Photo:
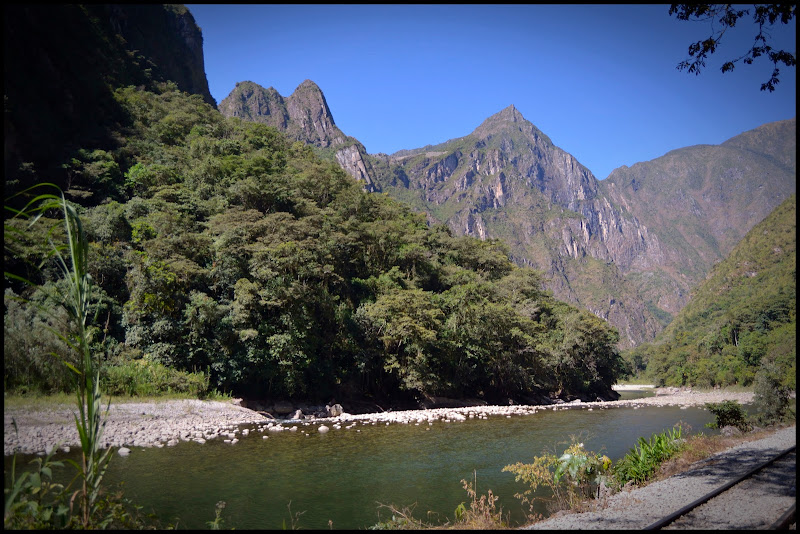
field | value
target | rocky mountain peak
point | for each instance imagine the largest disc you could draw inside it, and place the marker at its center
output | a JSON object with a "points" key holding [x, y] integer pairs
{"points": [[308, 85], [304, 116], [250, 101], [510, 122], [308, 108], [510, 114]]}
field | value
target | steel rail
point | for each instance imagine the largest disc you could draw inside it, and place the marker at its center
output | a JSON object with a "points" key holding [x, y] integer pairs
{"points": [[785, 520], [661, 523]]}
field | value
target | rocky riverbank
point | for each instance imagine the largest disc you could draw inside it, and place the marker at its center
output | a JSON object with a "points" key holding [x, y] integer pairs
{"points": [[165, 423]]}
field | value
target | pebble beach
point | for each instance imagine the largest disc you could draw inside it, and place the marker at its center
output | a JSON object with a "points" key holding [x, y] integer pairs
{"points": [[166, 423]]}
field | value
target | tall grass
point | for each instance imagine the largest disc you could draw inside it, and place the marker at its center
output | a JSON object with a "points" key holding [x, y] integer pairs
{"points": [[70, 254]]}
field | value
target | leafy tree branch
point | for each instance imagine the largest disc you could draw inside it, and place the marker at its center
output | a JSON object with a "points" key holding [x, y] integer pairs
{"points": [[721, 18]]}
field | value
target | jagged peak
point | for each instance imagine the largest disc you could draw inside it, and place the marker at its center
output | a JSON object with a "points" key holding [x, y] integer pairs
{"points": [[509, 116], [247, 88], [247, 84], [308, 84]]}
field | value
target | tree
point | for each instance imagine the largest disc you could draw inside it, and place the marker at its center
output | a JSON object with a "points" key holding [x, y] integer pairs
{"points": [[725, 16]]}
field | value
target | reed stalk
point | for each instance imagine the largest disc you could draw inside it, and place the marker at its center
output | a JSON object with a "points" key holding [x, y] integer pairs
{"points": [[71, 256]]}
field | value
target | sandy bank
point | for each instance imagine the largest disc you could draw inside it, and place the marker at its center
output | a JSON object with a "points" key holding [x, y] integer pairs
{"points": [[165, 423]]}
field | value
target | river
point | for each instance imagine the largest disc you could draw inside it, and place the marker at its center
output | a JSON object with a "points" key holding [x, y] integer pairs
{"points": [[340, 478]]}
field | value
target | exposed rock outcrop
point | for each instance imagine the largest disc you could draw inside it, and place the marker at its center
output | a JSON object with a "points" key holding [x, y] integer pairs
{"points": [[507, 180], [303, 116], [168, 36], [629, 248], [351, 159], [62, 63]]}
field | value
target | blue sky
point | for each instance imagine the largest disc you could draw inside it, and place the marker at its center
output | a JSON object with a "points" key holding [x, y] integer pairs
{"points": [[600, 81]]}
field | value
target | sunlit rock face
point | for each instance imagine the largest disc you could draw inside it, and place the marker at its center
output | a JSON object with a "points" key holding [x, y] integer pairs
{"points": [[629, 248], [303, 116]]}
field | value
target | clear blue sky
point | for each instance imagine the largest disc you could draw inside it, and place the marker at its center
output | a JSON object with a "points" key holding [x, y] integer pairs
{"points": [[600, 81]]}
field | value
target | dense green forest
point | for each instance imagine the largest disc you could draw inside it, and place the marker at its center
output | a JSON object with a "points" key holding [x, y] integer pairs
{"points": [[227, 257], [740, 321]]}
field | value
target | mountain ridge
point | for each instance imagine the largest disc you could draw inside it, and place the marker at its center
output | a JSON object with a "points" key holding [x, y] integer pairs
{"points": [[742, 315], [303, 116], [599, 245]]}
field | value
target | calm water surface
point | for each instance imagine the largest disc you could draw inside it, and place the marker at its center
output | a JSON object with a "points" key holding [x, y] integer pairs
{"points": [[343, 476]]}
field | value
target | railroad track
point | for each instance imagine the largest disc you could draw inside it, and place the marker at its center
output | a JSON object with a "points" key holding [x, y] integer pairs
{"points": [[744, 498]]}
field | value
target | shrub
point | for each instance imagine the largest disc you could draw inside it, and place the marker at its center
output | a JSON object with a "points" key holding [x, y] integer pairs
{"points": [[771, 399], [144, 377], [482, 512], [572, 477], [639, 464], [728, 413]]}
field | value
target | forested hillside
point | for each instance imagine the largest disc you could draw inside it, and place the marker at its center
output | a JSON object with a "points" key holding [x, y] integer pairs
{"points": [[629, 248], [742, 319], [222, 248]]}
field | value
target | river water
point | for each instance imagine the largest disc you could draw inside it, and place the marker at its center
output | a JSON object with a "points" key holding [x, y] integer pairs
{"points": [[342, 477]]}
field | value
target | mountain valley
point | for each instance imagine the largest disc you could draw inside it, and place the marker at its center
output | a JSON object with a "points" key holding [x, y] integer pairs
{"points": [[629, 248]]}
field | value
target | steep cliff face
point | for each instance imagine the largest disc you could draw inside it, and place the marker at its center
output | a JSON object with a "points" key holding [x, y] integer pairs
{"points": [[507, 180], [308, 111], [702, 200], [168, 37], [62, 64], [303, 116]]}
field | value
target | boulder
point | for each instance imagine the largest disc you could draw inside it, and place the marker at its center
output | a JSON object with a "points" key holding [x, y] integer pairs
{"points": [[729, 431], [334, 411]]}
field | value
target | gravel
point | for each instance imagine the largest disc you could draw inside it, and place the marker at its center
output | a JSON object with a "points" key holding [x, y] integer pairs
{"points": [[639, 508], [165, 423], [152, 424]]}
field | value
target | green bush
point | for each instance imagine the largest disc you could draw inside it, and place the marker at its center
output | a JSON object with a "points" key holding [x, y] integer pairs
{"points": [[728, 413], [771, 399], [144, 377], [570, 478]]}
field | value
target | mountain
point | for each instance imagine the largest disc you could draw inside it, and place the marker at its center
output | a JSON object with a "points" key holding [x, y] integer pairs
{"points": [[628, 248], [303, 116], [62, 64], [703, 200], [742, 315], [507, 180]]}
